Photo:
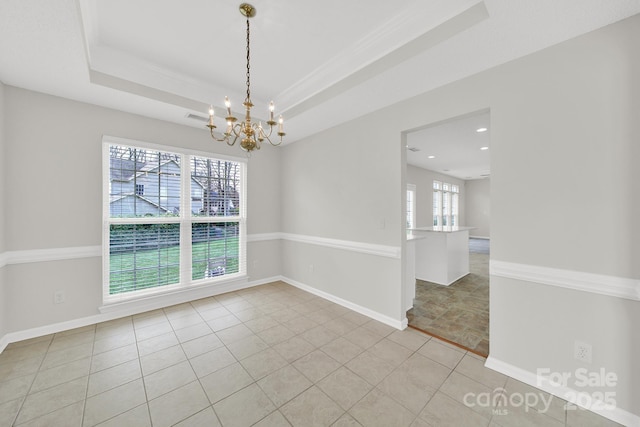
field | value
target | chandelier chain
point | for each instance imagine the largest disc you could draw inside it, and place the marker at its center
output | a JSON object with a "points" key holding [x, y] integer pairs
{"points": [[248, 69], [250, 133]]}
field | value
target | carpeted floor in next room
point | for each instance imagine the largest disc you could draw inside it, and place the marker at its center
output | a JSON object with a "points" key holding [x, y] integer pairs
{"points": [[459, 312]]}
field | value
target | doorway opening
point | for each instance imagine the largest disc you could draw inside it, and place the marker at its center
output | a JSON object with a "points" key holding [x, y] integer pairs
{"points": [[448, 175]]}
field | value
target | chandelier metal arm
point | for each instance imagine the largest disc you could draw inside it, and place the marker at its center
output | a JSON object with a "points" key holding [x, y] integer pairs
{"points": [[224, 139]]}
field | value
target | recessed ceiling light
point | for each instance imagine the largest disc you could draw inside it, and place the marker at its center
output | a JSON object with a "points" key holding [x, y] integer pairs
{"points": [[484, 148], [482, 130], [431, 157]]}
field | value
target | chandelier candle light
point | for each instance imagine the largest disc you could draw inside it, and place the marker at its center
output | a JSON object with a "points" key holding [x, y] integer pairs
{"points": [[252, 134]]}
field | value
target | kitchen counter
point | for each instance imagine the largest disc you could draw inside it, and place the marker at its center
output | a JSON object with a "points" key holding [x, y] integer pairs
{"points": [[441, 255]]}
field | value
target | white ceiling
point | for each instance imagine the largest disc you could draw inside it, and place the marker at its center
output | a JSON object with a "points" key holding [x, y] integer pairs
{"points": [[455, 145], [323, 63]]}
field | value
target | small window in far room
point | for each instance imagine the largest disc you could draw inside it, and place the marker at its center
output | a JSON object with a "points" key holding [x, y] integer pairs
{"points": [[445, 204], [411, 206], [437, 204]]}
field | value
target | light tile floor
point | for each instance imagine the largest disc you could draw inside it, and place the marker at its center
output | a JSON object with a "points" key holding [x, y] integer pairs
{"points": [[271, 355]]}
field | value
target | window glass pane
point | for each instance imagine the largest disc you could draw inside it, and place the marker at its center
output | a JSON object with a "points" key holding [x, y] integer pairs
{"points": [[436, 185], [143, 256], [446, 209], [143, 182], [454, 209], [437, 212], [410, 209], [215, 187], [214, 249], [455, 189]]}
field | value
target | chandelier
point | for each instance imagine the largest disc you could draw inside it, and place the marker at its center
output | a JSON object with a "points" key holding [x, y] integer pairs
{"points": [[252, 134]]}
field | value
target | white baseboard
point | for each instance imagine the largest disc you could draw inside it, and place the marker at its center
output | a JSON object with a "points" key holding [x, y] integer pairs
{"points": [[123, 310], [618, 415], [116, 311], [398, 324], [454, 280], [4, 342], [161, 300]]}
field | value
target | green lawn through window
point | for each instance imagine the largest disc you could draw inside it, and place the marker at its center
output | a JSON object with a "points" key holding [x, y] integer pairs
{"points": [[132, 271]]}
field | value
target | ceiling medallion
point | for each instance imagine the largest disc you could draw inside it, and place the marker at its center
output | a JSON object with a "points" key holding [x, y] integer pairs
{"points": [[252, 134]]}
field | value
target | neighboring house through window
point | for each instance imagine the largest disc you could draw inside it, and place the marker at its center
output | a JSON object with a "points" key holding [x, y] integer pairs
{"points": [[173, 218]]}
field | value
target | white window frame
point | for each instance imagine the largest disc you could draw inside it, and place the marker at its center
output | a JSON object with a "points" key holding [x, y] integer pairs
{"points": [[411, 206], [185, 219], [445, 212], [437, 204], [454, 214]]}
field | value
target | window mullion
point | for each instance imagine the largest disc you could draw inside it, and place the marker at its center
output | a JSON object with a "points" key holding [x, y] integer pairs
{"points": [[185, 222], [154, 194]]}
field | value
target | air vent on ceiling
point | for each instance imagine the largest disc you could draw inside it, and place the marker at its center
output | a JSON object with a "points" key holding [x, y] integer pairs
{"points": [[414, 149], [484, 175], [197, 117]]}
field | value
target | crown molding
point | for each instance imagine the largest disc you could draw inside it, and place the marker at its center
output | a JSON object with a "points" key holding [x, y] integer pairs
{"points": [[401, 38]]}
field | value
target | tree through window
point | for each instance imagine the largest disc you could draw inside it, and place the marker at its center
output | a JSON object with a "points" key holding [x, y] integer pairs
{"points": [[156, 198]]}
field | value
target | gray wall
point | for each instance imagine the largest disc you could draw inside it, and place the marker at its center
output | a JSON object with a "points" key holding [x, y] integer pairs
{"points": [[563, 151], [66, 146], [423, 180], [564, 194], [563, 131], [335, 185], [478, 207], [3, 307]]}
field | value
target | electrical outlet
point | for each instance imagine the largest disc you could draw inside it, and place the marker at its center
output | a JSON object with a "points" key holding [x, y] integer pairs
{"points": [[58, 297], [582, 351]]}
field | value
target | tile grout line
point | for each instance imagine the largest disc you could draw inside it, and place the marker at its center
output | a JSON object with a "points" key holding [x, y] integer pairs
{"points": [[86, 390], [380, 334], [144, 383], [37, 372], [194, 371]]}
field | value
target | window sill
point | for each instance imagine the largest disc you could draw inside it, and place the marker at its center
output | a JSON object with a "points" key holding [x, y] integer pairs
{"points": [[174, 296]]}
